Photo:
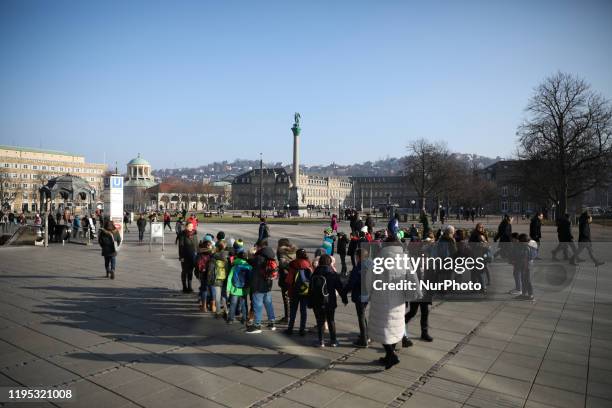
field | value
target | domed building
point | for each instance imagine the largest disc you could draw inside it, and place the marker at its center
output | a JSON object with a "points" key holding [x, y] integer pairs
{"points": [[137, 180]]}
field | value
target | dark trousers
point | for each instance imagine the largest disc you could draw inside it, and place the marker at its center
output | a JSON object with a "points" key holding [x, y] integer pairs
{"points": [[414, 306], [298, 302], [186, 274], [167, 224], [343, 263], [140, 235], [109, 263], [527, 288], [589, 248], [563, 247], [326, 315], [363, 321], [286, 302]]}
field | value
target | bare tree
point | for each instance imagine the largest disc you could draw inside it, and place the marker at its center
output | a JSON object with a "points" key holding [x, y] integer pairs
{"points": [[426, 167], [8, 192], [566, 140]]}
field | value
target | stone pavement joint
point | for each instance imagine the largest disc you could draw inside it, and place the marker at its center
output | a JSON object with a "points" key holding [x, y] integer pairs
{"points": [[414, 387]]}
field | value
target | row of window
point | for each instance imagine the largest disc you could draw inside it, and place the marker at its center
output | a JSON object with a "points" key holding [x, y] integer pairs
{"points": [[515, 190], [51, 168], [39, 176]]}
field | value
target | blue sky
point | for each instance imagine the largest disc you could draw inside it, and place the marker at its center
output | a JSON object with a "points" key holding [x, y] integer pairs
{"points": [[190, 82]]}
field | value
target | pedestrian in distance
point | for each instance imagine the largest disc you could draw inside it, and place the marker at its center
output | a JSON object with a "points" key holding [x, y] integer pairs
{"points": [[566, 240], [334, 223], [110, 241], [126, 221], [343, 243], [141, 224], [584, 238], [264, 231], [178, 228], [167, 221]]}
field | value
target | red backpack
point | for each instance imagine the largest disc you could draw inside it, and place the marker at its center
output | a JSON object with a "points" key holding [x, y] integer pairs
{"points": [[271, 269]]}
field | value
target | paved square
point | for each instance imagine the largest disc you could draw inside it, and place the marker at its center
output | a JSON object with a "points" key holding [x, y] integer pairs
{"points": [[138, 341]]}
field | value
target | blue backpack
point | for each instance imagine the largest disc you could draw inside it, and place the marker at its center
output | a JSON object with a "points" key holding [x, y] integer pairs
{"points": [[240, 276]]}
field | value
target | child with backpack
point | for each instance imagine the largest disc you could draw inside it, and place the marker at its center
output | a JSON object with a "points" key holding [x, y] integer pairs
{"points": [[328, 241], [203, 258], [324, 282], [217, 276], [297, 282], [265, 272], [237, 286], [527, 252]]}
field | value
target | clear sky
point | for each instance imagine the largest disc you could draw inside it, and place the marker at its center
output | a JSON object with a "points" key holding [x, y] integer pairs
{"points": [[190, 82]]}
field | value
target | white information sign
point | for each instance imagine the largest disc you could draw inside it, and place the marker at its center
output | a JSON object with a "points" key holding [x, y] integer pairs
{"points": [[157, 231]]}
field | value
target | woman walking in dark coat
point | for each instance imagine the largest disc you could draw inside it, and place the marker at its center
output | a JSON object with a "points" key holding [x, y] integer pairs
{"points": [[109, 240], [187, 246]]}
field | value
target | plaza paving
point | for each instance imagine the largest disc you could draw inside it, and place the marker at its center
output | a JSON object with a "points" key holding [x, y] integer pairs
{"points": [[138, 341]]}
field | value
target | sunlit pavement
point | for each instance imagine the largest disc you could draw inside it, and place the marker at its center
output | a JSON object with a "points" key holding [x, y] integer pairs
{"points": [[138, 341]]}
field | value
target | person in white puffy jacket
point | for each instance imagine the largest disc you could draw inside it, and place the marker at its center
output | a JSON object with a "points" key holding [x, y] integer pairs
{"points": [[387, 308]]}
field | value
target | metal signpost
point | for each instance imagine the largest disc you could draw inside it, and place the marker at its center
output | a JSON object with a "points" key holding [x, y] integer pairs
{"points": [[114, 201], [157, 231]]}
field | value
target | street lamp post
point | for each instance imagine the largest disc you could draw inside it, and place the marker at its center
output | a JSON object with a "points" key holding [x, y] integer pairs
{"points": [[413, 202]]}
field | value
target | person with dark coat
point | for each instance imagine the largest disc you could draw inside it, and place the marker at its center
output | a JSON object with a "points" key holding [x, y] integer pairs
{"points": [[584, 239], [369, 222], [260, 283], [324, 282], [566, 239], [141, 223], [51, 223], [352, 247], [285, 253], [354, 288], [504, 236], [264, 231], [343, 243], [109, 240], [535, 227], [187, 249]]}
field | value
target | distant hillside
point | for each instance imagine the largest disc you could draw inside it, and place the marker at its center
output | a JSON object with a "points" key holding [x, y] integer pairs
{"points": [[219, 171]]}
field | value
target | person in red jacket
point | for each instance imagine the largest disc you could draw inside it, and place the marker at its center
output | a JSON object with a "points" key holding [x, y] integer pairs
{"points": [[193, 220], [297, 282]]}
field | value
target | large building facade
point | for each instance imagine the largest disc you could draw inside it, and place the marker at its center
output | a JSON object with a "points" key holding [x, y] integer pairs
{"points": [[376, 192], [511, 198], [179, 195], [317, 191], [23, 171]]}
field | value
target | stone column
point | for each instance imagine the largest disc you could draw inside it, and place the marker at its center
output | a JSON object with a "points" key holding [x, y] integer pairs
{"points": [[296, 154]]}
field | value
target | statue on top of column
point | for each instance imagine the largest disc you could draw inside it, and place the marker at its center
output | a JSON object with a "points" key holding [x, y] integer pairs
{"points": [[296, 119]]}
